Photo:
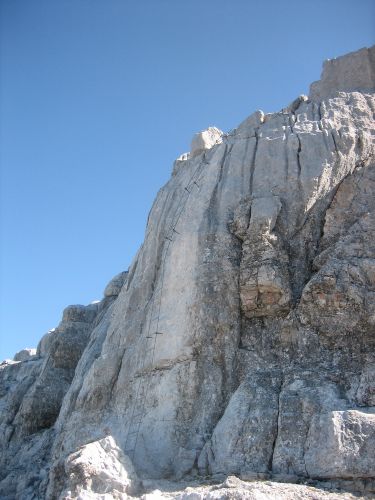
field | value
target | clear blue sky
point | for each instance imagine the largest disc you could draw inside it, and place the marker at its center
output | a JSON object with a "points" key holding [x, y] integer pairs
{"points": [[98, 97]]}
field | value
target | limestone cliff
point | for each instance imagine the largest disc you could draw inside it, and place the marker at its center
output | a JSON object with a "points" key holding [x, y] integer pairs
{"points": [[241, 340]]}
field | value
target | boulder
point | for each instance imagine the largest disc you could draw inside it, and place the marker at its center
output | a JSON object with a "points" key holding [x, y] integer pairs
{"points": [[24, 354], [99, 468], [342, 444], [204, 140], [115, 285]]}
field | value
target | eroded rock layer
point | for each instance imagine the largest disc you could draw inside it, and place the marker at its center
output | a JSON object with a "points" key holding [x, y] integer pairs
{"points": [[241, 340]]}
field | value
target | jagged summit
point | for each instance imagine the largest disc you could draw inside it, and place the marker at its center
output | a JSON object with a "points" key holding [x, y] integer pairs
{"points": [[241, 339]]}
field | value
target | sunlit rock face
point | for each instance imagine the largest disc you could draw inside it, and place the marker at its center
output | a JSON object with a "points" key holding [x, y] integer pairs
{"points": [[205, 140], [241, 339], [354, 71]]}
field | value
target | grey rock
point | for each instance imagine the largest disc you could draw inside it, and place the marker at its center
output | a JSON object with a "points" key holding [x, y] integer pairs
{"points": [[354, 71], [264, 276], [233, 488], [342, 444], [31, 396], [247, 428], [115, 285], [79, 313], [180, 162], [249, 126], [241, 340], [24, 354], [99, 468]]}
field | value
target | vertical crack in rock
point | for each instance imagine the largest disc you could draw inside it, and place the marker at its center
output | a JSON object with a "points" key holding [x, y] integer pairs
{"points": [[225, 159], [299, 149], [270, 463], [334, 141], [252, 165], [117, 373]]}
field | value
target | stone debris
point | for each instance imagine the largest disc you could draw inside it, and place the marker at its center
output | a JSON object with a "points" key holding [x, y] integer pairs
{"points": [[240, 342], [99, 468]]}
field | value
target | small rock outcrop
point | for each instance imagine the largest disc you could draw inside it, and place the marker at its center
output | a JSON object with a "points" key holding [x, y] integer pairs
{"points": [[24, 354], [241, 339], [114, 287], [205, 140]]}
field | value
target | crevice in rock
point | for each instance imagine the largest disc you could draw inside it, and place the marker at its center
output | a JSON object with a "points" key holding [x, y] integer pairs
{"points": [[11, 434], [331, 196], [315, 220], [319, 109], [334, 141], [252, 164], [131, 273], [305, 449], [116, 375], [161, 368], [270, 463], [226, 155], [299, 149]]}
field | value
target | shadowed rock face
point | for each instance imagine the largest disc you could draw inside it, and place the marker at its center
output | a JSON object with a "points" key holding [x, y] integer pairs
{"points": [[241, 340]]}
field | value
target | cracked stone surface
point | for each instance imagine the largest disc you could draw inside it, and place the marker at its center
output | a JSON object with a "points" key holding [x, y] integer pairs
{"points": [[240, 340]]}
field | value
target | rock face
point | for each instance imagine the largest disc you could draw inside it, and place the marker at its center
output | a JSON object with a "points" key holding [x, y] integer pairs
{"points": [[241, 340], [355, 71]]}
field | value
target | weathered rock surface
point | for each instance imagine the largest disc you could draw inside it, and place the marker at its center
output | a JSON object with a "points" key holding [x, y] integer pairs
{"points": [[232, 488], [355, 71], [115, 285], [24, 354], [98, 468], [205, 140], [241, 340]]}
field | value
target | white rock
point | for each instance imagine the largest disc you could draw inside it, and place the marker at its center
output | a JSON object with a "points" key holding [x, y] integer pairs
{"points": [[354, 71], [153, 495], [183, 157], [342, 443], [205, 139], [99, 468]]}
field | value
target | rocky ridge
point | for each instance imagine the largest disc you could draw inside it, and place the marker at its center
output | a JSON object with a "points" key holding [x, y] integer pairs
{"points": [[241, 339]]}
